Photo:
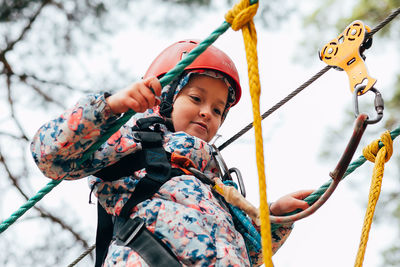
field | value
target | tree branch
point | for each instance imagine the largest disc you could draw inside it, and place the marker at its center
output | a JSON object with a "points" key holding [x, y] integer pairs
{"points": [[11, 45], [13, 136], [24, 77], [43, 213], [10, 100], [46, 96]]}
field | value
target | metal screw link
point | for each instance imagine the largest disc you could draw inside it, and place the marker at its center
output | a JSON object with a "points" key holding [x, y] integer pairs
{"points": [[379, 105]]}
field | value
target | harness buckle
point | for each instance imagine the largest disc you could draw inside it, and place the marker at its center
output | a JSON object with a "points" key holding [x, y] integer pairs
{"points": [[130, 229], [148, 138]]}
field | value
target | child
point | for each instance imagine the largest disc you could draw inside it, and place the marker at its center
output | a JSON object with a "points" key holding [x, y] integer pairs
{"points": [[184, 214]]}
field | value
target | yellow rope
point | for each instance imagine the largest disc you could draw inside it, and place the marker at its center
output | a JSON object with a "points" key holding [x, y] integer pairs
{"points": [[241, 17], [379, 156]]}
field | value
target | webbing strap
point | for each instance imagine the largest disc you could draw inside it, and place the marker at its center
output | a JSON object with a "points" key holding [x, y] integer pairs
{"points": [[123, 167], [158, 170], [145, 189], [104, 234], [156, 161], [134, 234]]}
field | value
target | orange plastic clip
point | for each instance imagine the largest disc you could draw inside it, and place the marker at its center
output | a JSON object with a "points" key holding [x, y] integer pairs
{"points": [[344, 52]]}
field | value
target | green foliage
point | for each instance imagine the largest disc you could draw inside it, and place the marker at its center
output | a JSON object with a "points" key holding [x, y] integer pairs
{"points": [[370, 11], [393, 105], [392, 257]]}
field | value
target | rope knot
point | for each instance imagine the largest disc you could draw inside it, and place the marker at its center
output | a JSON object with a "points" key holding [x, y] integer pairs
{"points": [[241, 14], [370, 152]]}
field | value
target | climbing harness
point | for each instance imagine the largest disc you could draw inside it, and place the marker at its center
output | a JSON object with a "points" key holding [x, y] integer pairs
{"points": [[127, 231], [157, 163]]}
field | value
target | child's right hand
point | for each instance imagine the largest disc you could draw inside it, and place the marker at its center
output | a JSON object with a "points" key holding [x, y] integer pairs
{"points": [[137, 96], [290, 202]]}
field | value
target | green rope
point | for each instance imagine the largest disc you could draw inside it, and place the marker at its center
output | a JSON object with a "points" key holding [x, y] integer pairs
{"points": [[29, 204], [352, 167], [166, 79]]}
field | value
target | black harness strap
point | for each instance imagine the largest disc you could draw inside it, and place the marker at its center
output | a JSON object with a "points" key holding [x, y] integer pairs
{"points": [[156, 162], [158, 170], [104, 234], [122, 168], [134, 234]]}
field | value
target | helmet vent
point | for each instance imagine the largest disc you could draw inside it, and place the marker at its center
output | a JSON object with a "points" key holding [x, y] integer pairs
{"points": [[184, 54]]}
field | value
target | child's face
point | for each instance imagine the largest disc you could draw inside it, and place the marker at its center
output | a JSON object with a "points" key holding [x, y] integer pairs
{"points": [[199, 106]]}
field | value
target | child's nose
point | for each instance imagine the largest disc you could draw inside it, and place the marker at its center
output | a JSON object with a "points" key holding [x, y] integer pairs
{"points": [[205, 112]]}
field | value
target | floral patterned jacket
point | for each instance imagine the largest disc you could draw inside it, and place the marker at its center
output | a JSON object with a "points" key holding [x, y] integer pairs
{"points": [[184, 213]]}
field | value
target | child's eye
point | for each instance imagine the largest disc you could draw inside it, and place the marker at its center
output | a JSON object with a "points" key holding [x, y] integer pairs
{"points": [[217, 111], [195, 98]]}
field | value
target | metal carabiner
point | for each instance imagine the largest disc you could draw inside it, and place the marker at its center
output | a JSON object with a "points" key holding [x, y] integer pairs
{"points": [[379, 105], [239, 179], [225, 172]]}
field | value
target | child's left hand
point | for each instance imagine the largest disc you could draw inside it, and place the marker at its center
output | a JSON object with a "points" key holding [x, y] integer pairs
{"points": [[138, 96], [290, 202]]}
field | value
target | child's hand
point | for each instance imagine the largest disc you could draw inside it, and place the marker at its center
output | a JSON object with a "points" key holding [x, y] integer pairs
{"points": [[290, 202], [137, 96]]}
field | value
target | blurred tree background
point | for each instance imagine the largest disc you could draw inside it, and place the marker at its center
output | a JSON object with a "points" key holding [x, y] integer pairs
{"points": [[372, 13], [43, 47]]}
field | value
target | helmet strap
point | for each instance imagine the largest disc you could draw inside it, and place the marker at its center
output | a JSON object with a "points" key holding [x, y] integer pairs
{"points": [[166, 105], [166, 109]]}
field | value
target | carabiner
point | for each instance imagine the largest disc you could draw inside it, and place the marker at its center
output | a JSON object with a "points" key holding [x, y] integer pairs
{"points": [[379, 105], [239, 179], [225, 172]]}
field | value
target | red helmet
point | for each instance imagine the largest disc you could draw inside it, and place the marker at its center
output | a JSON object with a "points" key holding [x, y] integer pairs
{"points": [[212, 58]]}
